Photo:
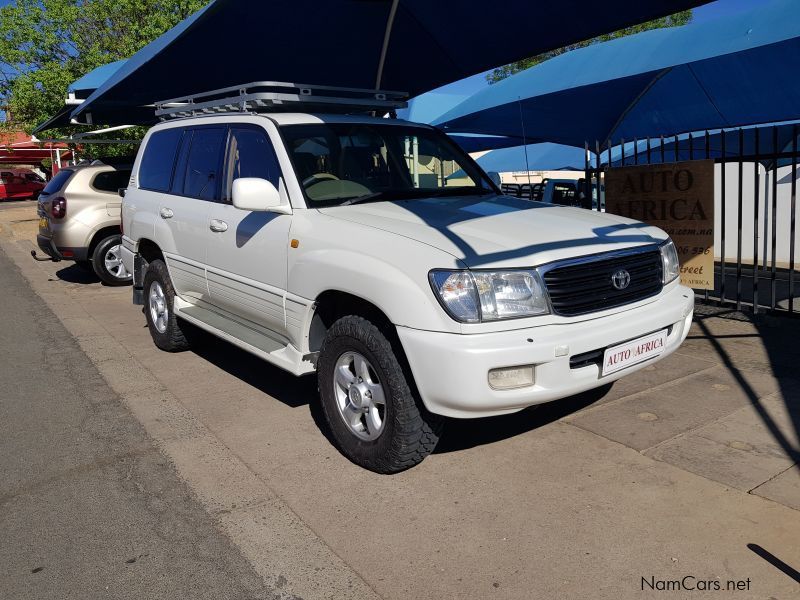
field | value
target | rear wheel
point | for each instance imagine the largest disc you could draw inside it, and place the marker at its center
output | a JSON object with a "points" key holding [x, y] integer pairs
{"points": [[107, 261], [371, 411], [159, 294]]}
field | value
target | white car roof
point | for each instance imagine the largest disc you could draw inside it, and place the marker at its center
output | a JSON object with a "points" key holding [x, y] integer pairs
{"points": [[308, 118], [285, 118]]}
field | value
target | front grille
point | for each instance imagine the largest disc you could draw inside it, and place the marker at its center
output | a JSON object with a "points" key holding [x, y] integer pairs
{"points": [[586, 287]]}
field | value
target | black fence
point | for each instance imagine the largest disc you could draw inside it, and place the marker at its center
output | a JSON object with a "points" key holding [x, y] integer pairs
{"points": [[756, 211], [561, 191]]}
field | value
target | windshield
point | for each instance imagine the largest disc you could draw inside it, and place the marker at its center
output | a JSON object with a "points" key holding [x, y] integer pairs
{"points": [[346, 163]]}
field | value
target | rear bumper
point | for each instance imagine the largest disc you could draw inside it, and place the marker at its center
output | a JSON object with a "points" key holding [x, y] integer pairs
{"points": [[47, 246], [451, 370]]}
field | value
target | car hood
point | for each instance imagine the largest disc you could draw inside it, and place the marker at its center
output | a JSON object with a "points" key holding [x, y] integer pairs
{"points": [[500, 231]]}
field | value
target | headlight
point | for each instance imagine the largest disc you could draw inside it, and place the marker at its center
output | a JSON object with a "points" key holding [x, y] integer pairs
{"points": [[669, 258], [480, 296]]}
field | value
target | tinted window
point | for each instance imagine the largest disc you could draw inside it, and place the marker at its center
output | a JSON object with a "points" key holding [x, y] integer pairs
{"points": [[180, 164], [250, 154], [338, 162], [563, 194], [155, 170], [202, 168], [111, 181], [57, 182]]}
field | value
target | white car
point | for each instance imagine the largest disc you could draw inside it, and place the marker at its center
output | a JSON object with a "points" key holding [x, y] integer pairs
{"points": [[333, 244]]}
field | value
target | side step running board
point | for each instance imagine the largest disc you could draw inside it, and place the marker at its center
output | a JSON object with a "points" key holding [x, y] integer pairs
{"points": [[277, 352]]}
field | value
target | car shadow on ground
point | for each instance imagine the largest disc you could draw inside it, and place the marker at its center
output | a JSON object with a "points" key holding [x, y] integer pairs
{"points": [[271, 380], [462, 434], [72, 273], [295, 392]]}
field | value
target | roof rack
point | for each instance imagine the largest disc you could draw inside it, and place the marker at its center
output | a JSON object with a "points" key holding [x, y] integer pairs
{"points": [[280, 96]]}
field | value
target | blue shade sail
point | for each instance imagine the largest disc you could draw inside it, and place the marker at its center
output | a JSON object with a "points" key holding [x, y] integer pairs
{"points": [[733, 71], [405, 45]]}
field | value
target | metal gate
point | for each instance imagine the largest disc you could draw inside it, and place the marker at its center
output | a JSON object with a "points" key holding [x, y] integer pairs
{"points": [[757, 243]]}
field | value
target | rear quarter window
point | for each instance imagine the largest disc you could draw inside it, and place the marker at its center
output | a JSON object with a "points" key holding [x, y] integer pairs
{"points": [[155, 169], [111, 181], [58, 182]]}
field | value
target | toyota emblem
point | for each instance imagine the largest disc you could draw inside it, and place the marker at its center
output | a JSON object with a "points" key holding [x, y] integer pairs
{"points": [[621, 279]]}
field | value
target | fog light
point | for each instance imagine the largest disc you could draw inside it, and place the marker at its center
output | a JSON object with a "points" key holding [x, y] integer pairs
{"points": [[511, 377]]}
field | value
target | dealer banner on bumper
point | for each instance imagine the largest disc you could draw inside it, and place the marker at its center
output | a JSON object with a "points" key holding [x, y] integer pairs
{"points": [[678, 198]]}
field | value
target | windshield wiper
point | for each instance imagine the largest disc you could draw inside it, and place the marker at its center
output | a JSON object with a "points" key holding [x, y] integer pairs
{"points": [[462, 191], [364, 198], [416, 193]]}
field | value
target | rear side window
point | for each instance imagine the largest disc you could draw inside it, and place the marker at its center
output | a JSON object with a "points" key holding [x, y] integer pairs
{"points": [[111, 181], [155, 170], [250, 154], [203, 164], [57, 182]]}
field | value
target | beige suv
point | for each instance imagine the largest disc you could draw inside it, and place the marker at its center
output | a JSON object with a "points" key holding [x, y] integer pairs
{"points": [[79, 219]]}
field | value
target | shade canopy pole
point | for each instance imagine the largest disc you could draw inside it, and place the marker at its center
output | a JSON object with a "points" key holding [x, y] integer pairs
{"points": [[386, 37], [525, 143]]}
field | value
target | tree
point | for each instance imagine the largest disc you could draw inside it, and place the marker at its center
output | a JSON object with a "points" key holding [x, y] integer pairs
{"points": [[47, 44], [680, 18]]}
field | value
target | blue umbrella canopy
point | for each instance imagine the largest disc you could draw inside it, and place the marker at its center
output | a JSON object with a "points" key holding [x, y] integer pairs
{"points": [[475, 142], [77, 92], [87, 84], [714, 74], [407, 45], [540, 157]]}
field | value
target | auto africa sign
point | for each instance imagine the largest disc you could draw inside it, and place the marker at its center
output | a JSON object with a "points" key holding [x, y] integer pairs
{"points": [[678, 198]]}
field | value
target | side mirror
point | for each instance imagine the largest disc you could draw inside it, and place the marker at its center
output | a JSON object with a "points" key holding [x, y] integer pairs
{"points": [[255, 194]]}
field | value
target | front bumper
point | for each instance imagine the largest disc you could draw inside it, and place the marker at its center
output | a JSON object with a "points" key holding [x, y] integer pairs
{"points": [[451, 370]]}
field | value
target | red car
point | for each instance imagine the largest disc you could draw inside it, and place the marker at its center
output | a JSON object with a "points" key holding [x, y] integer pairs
{"points": [[20, 183]]}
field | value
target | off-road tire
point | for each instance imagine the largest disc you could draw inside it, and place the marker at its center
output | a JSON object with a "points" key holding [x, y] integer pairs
{"points": [[173, 339], [98, 261], [410, 432]]}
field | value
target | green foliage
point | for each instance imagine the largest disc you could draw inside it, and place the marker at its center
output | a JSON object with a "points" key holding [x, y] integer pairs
{"points": [[680, 18], [47, 44]]}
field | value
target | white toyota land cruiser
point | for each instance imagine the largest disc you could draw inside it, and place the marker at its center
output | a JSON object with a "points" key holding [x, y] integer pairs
{"points": [[335, 244]]}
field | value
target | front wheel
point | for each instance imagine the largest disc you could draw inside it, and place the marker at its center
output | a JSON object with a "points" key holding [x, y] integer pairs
{"points": [[107, 262], [159, 309], [371, 411]]}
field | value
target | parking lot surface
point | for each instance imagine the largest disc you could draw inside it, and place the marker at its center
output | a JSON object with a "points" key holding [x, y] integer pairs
{"points": [[89, 507], [687, 468]]}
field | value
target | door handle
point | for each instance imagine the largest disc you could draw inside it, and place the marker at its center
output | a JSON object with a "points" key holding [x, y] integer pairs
{"points": [[166, 213], [218, 226]]}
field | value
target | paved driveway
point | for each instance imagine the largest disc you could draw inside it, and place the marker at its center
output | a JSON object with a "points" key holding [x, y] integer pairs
{"points": [[688, 468]]}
